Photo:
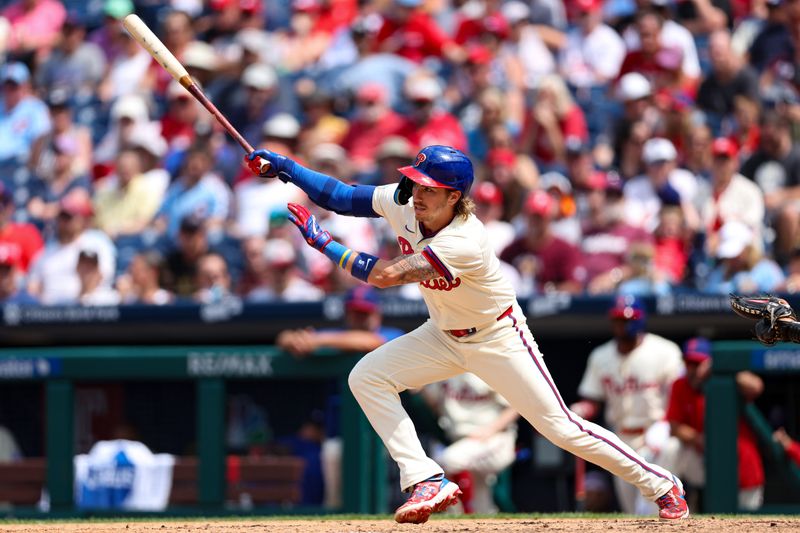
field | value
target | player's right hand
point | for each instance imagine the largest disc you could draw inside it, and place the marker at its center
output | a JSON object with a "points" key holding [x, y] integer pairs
{"points": [[265, 164]]}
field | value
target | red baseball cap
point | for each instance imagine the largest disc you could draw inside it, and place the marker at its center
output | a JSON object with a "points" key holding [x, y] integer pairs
{"points": [[372, 92], [588, 5], [496, 24], [539, 203], [488, 192], [722, 146], [248, 6], [479, 55], [598, 181], [76, 205], [501, 157]]}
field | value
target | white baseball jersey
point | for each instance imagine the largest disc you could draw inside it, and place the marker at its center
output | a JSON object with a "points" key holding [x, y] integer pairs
{"points": [[468, 404], [635, 386], [471, 292]]}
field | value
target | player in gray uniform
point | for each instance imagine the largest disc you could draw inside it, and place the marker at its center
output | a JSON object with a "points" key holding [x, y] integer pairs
{"points": [[476, 324]]}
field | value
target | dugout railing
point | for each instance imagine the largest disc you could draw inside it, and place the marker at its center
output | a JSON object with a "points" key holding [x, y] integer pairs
{"points": [[723, 409], [210, 368]]}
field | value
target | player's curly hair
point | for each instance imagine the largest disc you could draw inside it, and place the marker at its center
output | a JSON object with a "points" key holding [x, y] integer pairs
{"points": [[464, 207]]}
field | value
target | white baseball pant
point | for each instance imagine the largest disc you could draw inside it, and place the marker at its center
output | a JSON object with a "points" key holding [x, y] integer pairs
{"points": [[505, 356], [629, 498]]}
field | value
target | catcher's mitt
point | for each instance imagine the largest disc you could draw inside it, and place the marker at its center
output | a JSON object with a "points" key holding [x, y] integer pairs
{"points": [[776, 320]]}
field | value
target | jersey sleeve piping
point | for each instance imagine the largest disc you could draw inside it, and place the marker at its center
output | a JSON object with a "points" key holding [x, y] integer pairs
{"points": [[437, 263]]}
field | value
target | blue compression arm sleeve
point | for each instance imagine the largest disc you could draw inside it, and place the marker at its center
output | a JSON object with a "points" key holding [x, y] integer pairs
{"points": [[330, 193]]}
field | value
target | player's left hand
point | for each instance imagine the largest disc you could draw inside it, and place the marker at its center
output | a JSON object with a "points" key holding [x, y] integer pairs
{"points": [[307, 224]]}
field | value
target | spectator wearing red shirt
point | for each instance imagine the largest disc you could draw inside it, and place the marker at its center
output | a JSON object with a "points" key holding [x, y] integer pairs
{"points": [[514, 174], [178, 122], [333, 15], [427, 124], [554, 118], [374, 121], [486, 22], [606, 236], [789, 445], [11, 290], [553, 262], [410, 32], [686, 415], [672, 244], [21, 242], [661, 64]]}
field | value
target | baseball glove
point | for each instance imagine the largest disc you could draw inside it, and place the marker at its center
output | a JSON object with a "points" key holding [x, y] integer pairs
{"points": [[775, 318]]}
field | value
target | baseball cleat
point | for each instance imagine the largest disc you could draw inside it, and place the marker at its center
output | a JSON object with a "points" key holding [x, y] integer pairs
{"points": [[428, 497], [672, 505]]}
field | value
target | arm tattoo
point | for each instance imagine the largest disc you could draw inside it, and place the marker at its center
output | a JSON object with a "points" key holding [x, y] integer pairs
{"points": [[411, 268]]}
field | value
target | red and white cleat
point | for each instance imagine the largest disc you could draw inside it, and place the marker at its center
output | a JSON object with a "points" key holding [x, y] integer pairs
{"points": [[672, 505], [428, 497]]}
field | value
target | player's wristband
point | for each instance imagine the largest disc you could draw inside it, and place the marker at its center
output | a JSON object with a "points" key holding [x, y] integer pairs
{"points": [[336, 252], [339, 254], [363, 265]]}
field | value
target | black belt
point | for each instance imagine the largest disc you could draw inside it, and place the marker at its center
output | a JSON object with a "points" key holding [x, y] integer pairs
{"points": [[458, 333]]}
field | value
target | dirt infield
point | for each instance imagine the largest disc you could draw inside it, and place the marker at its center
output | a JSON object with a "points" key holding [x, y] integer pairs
{"points": [[693, 525]]}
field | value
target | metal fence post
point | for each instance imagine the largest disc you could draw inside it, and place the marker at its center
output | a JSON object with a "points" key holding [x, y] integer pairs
{"points": [[211, 442], [60, 443], [357, 459], [722, 412]]}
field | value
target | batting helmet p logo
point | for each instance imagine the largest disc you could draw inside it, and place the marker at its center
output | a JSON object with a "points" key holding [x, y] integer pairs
{"points": [[441, 166]]}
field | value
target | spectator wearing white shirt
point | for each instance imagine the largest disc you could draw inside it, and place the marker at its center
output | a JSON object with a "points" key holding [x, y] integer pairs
{"points": [[255, 199], [593, 52], [733, 197], [489, 210], [126, 112], [285, 281], [93, 291], [532, 45], [590, 59], [661, 184], [53, 277], [127, 73]]}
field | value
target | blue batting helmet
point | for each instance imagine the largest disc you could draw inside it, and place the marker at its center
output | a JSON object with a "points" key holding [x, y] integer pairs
{"points": [[441, 166], [630, 309]]}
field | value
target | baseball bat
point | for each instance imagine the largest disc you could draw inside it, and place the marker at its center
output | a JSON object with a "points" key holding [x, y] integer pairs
{"points": [[148, 40]]}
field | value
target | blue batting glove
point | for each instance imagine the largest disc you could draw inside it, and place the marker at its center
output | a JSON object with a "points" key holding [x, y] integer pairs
{"points": [[315, 236], [266, 164]]}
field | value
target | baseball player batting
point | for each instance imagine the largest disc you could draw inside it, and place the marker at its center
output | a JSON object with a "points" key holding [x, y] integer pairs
{"points": [[475, 324]]}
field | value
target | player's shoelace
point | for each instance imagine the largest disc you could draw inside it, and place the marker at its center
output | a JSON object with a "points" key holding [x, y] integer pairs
{"points": [[668, 501], [425, 491]]}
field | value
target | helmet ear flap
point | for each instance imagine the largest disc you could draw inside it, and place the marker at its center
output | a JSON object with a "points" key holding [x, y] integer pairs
{"points": [[404, 190]]}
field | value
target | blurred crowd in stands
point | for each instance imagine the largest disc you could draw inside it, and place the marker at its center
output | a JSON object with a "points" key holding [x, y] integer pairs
{"points": [[621, 146]]}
